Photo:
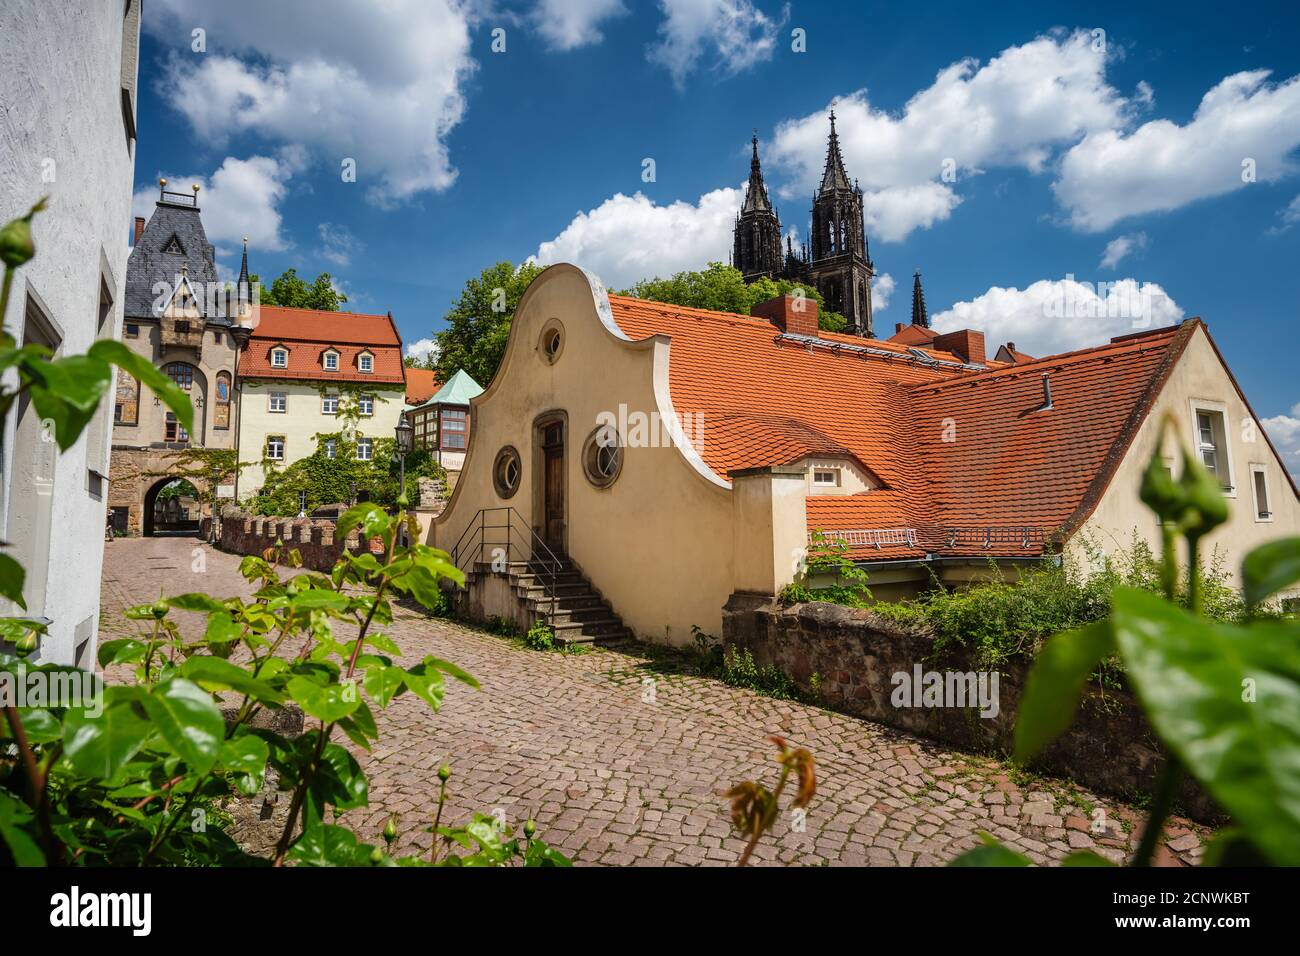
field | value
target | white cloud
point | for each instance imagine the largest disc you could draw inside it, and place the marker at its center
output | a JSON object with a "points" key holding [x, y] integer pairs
{"points": [[1013, 111], [239, 199], [338, 244], [1284, 432], [1059, 315], [734, 34], [378, 83], [629, 238], [1112, 175], [422, 349], [882, 287], [569, 24], [1289, 216], [1122, 246]]}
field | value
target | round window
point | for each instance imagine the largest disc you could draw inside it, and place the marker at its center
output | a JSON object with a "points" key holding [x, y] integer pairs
{"points": [[552, 342], [506, 472], [602, 456]]}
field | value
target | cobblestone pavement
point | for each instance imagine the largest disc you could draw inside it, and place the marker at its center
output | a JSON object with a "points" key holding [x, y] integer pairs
{"points": [[613, 778]]}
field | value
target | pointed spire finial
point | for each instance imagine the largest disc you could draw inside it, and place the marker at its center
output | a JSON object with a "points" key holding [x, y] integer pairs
{"points": [[919, 315]]}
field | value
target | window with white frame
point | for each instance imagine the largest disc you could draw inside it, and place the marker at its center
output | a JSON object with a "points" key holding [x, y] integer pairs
{"points": [[366, 362], [1259, 484], [275, 447], [331, 361], [279, 358], [329, 404], [1211, 437], [278, 401], [365, 449], [366, 405], [331, 448], [826, 477]]}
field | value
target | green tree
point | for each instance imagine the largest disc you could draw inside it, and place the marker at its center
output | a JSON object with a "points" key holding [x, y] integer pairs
{"points": [[292, 291], [478, 323], [723, 289]]}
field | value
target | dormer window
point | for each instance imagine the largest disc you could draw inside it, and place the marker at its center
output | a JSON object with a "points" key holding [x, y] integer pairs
{"points": [[330, 361], [366, 362], [826, 477], [279, 358]]}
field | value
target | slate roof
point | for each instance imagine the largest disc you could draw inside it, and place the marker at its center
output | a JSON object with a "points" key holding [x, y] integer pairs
{"points": [[966, 462], [149, 265]]}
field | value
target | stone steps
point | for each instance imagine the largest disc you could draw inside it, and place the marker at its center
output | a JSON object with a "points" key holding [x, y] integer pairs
{"points": [[561, 596]]}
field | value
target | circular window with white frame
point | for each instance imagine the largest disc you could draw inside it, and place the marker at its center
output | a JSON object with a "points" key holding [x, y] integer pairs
{"points": [[602, 456], [551, 342], [506, 472]]}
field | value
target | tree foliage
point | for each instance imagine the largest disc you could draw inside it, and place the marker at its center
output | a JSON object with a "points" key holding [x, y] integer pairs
{"points": [[478, 323], [722, 288], [292, 291]]}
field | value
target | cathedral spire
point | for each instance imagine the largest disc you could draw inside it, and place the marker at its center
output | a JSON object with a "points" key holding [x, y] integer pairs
{"points": [[756, 192], [919, 315], [834, 177], [242, 287]]}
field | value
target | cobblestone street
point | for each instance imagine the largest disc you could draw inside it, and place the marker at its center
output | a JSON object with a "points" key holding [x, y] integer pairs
{"points": [[612, 778]]}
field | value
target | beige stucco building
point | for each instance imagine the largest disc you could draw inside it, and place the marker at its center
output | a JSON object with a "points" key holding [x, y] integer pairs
{"points": [[679, 456], [307, 375]]}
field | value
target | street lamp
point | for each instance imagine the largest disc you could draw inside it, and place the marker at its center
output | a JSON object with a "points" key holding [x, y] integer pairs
{"points": [[404, 433], [239, 336]]}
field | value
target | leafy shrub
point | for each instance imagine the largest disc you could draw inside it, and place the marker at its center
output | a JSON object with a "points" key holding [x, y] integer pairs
{"points": [[829, 556], [540, 637]]}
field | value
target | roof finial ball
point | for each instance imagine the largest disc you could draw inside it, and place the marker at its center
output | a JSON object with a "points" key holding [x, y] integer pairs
{"points": [[195, 187]]}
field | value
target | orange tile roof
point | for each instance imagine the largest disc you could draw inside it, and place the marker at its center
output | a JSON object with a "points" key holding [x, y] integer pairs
{"points": [[1008, 481], [309, 333], [421, 385]]}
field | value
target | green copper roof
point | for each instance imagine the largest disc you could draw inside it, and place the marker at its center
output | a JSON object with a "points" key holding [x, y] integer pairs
{"points": [[458, 390]]}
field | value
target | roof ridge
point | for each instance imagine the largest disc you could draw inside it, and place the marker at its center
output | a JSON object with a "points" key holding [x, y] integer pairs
{"points": [[340, 312], [1077, 356]]}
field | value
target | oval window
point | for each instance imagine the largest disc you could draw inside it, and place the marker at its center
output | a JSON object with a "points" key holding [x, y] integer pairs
{"points": [[602, 456], [552, 342], [506, 472]]}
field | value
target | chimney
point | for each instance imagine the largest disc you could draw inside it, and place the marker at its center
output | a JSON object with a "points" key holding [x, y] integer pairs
{"points": [[139, 230], [1047, 395], [968, 344], [796, 315]]}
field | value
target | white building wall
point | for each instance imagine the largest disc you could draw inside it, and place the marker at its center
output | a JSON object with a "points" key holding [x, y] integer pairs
{"points": [[62, 134]]}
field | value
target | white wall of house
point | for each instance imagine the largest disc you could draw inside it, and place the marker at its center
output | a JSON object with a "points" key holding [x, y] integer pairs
{"points": [[1199, 381], [304, 417], [63, 67]]}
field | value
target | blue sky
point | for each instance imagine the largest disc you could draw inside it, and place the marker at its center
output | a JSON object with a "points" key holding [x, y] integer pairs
{"points": [[1106, 156]]}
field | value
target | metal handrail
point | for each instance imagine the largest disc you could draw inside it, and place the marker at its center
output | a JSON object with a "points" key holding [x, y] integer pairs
{"points": [[537, 551]]}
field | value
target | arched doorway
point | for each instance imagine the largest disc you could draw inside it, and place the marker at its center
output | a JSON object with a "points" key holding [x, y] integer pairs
{"points": [[171, 507]]}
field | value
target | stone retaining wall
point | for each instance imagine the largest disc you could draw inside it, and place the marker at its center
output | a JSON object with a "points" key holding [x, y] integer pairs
{"points": [[243, 533], [855, 655]]}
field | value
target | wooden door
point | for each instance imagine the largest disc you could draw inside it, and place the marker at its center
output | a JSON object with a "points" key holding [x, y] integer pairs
{"points": [[553, 486]]}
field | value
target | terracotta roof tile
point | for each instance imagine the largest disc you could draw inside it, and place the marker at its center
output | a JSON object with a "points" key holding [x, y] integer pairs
{"points": [[421, 384], [308, 334], [964, 459]]}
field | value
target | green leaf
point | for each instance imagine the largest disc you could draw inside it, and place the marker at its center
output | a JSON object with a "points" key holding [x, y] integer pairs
{"points": [[66, 393], [12, 576], [992, 853], [1085, 858], [368, 516], [426, 683], [195, 602], [318, 598], [328, 845], [122, 650], [188, 719], [40, 726], [246, 754], [148, 374], [451, 670], [1269, 568], [340, 781], [540, 854], [99, 746], [1226, 700], [329, 702], [1055, 684], [16, 820], [214, 673], [383, 682]]}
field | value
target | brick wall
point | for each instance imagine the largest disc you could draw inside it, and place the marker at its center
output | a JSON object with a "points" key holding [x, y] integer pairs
{"points": [[243, 533], [855, 655]]}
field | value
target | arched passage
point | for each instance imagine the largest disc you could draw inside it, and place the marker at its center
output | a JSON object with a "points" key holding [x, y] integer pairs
{"points": [[172, 507]]}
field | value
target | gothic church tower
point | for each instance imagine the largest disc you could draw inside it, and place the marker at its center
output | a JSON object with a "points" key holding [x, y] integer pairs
{"points": [[841, 265], [757, 235]]}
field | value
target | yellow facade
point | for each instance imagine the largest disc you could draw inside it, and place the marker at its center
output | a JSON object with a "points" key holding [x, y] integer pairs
{"points": [[297, 412]]}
